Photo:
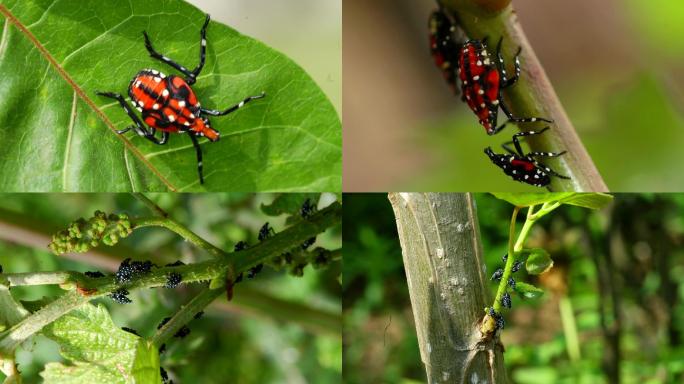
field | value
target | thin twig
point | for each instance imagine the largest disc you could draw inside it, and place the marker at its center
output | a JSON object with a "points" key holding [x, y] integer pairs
{"points": [[150, 204]]}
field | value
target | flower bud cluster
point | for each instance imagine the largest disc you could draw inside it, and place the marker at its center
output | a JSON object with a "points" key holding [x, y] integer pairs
{"points": [[83, 235]]}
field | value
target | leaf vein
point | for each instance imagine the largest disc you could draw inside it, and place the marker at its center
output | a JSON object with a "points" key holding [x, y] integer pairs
{"points": [[70, 134]]}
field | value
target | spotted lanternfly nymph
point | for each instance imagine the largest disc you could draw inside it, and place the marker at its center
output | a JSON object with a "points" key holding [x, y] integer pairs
{"points": [[173, 279], [307, 209], [516, 266], [522, 166], [308, 242], [498, 318], [130, 269], [253, 271], [182, 332], [168, 104], [444, 46], [483, 79], [506, 300], [120, 296], [240, 246], [265, 232], [497, 274], [511, 282]]}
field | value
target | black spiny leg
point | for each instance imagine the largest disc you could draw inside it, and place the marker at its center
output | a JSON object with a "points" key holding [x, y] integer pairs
{"points": [[203, 48], [199, 156], [513, 119], [139, 128], [191, 76], [506, 82], [516, 141], [233, 108]]}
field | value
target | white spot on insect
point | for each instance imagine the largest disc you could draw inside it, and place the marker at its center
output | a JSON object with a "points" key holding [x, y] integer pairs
{"points": [[527, 177], [241, 104], [465, 82], [157, 80], [155, 72], [165, 93], [192, 116], [536, 176], [480, 92], [183, 69], [482, 105], [486, 62], [198, 104], [187, 124], [468, 97], [204, 42], [514, 172], [141, 103], [479, 63], [137, 84], [533, 119], [139, 109], [155, 106], [181, 103], [495, 102], [172, 118], [476, 78]]}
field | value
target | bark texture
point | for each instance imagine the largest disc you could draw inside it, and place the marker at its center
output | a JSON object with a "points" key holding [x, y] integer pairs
{"points": [[444, 266]]}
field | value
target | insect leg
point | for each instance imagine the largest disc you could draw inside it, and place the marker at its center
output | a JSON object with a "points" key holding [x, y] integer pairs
{"points": [[233, 108], [148, 44], [514, 119], [203, 47], [199, 156], [139, 128]]}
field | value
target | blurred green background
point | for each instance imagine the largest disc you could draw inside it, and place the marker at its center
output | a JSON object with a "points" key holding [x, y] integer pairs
{"points": [[637, 241], [307, 31], [277, 329], [617, 67]]}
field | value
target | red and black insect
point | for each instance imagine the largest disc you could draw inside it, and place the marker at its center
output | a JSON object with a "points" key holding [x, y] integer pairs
{"points": [[522, 166], [444, 46], [483, 79], [168, 104]]}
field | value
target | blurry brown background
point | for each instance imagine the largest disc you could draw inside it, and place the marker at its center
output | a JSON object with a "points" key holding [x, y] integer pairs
{"points": [[617, 67]]}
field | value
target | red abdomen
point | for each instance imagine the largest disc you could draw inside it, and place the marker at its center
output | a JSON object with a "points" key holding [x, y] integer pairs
{"points": [[167, 103]]}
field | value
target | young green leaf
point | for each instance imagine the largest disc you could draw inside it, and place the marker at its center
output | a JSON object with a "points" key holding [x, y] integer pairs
{"points": [[587, 200], [528, 291], [100, 352], [146, 363], [538, 261], [61, 136], [528, 199]]}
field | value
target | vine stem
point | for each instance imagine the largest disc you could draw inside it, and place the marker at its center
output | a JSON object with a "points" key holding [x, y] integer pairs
{"points": [[509, 262], [181, 230], [533, 94]]}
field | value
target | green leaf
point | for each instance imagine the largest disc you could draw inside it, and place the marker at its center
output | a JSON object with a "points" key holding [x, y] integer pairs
{"points": [[528, 291], [58, 135], [580, 199], [99, 350], [538, 261], [588, 200], [528, 199], [146, 364], [289, 203]]}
